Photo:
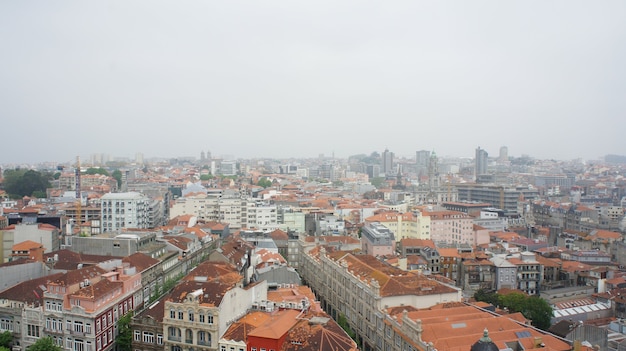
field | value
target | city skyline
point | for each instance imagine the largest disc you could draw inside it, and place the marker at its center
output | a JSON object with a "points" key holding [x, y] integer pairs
{"points": [[290, 80]]}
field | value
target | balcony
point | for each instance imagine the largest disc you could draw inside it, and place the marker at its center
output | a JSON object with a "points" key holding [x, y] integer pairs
{"points": [[174, 338], [77, 333]]}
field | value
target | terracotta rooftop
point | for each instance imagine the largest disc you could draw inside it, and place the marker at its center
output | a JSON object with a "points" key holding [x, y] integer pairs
{"points": [[140, 261], [212, 292], [30, 291], [417, 243], [69, 260], [277, 325], [393, 281], [460, 326], [79, 275], [26, 245], [99, 289]]}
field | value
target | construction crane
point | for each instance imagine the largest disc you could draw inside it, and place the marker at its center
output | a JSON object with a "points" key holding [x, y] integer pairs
{"points": [[79, 199]]}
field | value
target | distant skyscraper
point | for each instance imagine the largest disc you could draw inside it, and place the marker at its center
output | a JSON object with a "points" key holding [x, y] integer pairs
{"points": [[504, 154], [387, 158], [139, 158], [480, 162], [422, 158]]}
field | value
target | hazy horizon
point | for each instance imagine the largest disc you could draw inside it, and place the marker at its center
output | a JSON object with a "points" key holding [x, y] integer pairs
{"points": [[291, 79]]}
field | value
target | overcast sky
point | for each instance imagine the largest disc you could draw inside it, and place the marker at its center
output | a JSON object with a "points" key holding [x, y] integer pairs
{"points": [[299, 78]]}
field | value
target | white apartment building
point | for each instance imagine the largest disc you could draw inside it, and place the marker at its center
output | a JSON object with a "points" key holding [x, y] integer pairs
{"points": [[229, 208], [261, 216], [124, 210]]}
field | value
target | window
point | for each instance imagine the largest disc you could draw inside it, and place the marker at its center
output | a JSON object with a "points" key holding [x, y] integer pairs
{"points": [[201, 318], [204, 338], [172, 313], [88, 328], [78, 327], [180, 314], [98, 344], [97, 325], [190, 315], [79, 345], [137, 334], [209, 319], [159, 339], [6, 324], [33, 330], [148, 337]]}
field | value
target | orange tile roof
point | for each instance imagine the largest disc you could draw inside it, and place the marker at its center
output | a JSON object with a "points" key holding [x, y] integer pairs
{"points": [[459, 327], [393, 281], [26, 245], [410, 242], [277, 325]]}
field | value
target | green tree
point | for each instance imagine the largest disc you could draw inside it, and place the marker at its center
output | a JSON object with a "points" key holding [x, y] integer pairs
{"points": [[532, 307], [117, 174], [343, 323], [377, 181], [6, 338], [125, 337], [44, 344], [93, 170], [264, 182], [56, 176], [514, 301], [2, 348], [19, 182], [538, 311], [206, 177], [486, 296]]}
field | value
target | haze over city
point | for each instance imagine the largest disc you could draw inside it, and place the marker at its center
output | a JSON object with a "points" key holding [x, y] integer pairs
{"points": [[296, 79]]}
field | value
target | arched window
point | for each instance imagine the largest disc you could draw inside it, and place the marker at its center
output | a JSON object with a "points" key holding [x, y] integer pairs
{"points": [[204, 338], [191, 316], [173, 334], [189, 336]]}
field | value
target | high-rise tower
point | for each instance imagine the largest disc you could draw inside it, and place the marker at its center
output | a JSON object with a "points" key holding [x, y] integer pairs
{"points": [[480, 162], [387, 158]]}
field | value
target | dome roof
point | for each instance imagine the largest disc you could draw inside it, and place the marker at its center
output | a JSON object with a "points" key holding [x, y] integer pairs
{"points": [[484, 343]]}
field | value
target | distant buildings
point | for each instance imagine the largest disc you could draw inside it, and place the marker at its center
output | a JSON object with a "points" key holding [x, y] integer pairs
{"points": [[480, 162], [387, 162]]}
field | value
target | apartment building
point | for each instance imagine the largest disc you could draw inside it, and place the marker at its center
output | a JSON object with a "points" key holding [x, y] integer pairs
{"points": [[500, 196], [404, 225], [377, 240], [450, 227], [529, 272], [78, 310], [362, 289], [199, 310], [124, 210]]}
